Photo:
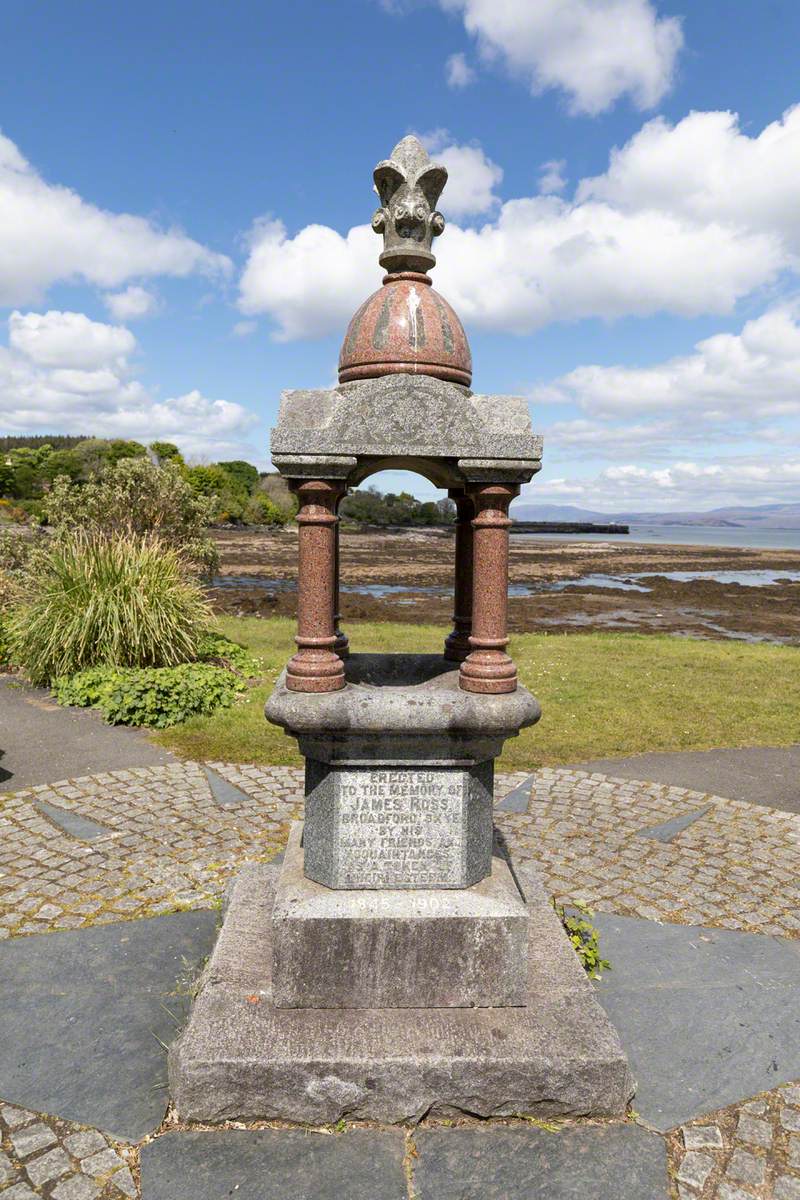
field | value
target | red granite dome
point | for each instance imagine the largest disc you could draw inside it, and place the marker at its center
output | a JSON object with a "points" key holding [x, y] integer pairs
{"points": [[406, 326]]}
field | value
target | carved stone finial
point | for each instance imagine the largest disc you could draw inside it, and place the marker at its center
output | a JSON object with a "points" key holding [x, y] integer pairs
{"points": [[409, 186]]}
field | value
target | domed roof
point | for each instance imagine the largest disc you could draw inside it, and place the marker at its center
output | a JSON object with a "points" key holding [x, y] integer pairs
{"points": [[406, 326]]}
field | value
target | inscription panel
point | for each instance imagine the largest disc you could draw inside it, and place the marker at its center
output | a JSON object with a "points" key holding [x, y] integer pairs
{"points": [[401, 828]]}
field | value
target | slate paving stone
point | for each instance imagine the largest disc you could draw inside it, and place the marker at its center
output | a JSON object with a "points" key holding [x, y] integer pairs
{"points": [[706, 1016], [670, 829], [518, 799], [591, 1162], [268, 1164], [224, 792], [72, 823], [81, 1013]]}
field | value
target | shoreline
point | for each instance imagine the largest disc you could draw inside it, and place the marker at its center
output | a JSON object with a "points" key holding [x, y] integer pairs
{"points": [[417, 566]]}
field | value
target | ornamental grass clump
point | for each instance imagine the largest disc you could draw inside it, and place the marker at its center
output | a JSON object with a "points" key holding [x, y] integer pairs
{"points": [[91, 600]]}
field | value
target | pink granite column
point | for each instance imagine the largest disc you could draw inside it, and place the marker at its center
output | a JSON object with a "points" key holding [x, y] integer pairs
{"points": [[456, 646], [488, 668], [316, 667], [341, 645]]}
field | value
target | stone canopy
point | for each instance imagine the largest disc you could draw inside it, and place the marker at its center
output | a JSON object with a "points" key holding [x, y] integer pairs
{"points": [[441, 430]]}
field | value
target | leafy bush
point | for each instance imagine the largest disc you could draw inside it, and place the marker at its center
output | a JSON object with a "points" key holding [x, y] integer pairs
{"points": [[584, 937], [135, 496], [214, 648], [156, 697], [261, 510], [88, 600], [5, 644]]}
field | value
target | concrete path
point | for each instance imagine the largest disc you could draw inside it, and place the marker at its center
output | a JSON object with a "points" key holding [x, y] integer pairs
{"points": [[41, 741], [768, 775]]}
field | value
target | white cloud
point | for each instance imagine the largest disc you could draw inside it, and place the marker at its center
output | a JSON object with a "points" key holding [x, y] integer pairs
{"points": [[69, 339], [596, 51], [458, 72], [471, 176], [705, 169], [685, 485], [48, 233], [551, 178], [661, 238], [751, 377], [133, 303], [310, 283], [62, 372]]}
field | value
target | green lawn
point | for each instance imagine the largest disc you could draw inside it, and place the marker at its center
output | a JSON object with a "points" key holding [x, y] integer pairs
{"points": [[601, 694]]}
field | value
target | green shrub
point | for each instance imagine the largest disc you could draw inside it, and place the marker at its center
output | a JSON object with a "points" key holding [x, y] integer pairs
{"points": [[5, 644], [155, 697], [261, 510], [584, 936], [214, 648], [135, 496], [88, 600]]}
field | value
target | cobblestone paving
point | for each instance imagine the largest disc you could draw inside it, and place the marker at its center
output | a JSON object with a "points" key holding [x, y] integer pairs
{"points": [[737, 867], [42, 1156], [749, 1151], [170, 845]]}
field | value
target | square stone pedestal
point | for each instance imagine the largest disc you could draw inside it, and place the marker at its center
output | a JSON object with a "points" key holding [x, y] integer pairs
{"points": [[243, 1057], [334, 948]]}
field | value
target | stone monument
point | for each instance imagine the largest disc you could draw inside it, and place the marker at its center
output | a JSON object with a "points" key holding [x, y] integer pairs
{"points": [[398, 962]]}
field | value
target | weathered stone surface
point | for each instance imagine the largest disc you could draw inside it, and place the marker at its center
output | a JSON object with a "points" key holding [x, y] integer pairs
{"points": [[405, 416], [271, 1164], [581, 1163], [386, 826], [399, 772], [240, 1056], [390, 949]]}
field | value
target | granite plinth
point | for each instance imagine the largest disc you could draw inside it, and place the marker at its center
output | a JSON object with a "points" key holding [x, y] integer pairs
{"points": [[240, 1057], [397, 949], [406, 416], [399, 769]]}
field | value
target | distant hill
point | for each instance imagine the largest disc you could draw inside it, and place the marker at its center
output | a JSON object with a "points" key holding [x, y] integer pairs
{"points": [[761, 516]]}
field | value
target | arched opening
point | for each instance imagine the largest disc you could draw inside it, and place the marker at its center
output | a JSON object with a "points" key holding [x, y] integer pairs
{"points": [[396, 550]]}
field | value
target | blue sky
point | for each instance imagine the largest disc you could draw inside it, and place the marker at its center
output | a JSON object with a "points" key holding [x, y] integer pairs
{"points": [[184, 190]]}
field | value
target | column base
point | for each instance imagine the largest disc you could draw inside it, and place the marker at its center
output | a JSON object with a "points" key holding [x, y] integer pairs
{"points": [[457, 647], [315, 671], [488, 671]]}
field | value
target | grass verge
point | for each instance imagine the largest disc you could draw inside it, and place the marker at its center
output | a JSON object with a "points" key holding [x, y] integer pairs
{"points": [[602, 694]]}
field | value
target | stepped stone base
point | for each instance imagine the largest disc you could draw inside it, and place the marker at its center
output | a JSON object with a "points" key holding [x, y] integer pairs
{"points": [[241, 1057], [428, 948]]}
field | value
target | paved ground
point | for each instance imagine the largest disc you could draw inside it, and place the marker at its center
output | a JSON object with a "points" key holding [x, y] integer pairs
{"points": [[758, 774], [699, 903], [41, 741]]}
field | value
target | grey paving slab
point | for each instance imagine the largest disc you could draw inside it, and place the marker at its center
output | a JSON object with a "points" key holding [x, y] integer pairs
{"points": [[768, 775], [706, 1016], [668, 830], [518, 799], [269, 1164], [82, 1012], [578, 1163], [42, 741], [72, 823], [224, 792]]}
